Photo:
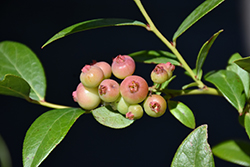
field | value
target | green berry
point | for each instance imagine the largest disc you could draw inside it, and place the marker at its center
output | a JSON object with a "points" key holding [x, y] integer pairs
{"points": [[159, 74], [121, 105], [135, 111]]}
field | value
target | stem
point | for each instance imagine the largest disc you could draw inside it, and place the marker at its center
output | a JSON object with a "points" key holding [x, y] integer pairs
{"points": [[168, 44], [207, 90], [50, 105]]}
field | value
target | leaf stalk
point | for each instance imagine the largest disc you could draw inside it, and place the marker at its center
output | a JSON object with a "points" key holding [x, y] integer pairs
{"points": [[152, 27]]}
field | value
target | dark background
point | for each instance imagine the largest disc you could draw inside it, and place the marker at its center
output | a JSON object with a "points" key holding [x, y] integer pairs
{"points": [[148, 142]]}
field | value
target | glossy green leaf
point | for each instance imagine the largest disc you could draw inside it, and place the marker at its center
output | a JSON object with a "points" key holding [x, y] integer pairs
{"points": [[233, 58], [244, 75], [204, 52], [230, 85], [17, 59], [247, 123], [194, 150], [154, 56], [93, 24], [235, 151], [196, 15], [166, 83], [244, 63], [13, 85], [107, 117], [182, 113], [46, 133]]}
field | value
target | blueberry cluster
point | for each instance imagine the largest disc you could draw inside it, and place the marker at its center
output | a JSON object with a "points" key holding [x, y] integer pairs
{"points": [[131, 97]]}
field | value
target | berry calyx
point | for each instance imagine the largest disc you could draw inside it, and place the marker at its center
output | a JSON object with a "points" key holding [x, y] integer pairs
{"points": [[91, 76], [155, 105], [123, 66], [134, 89], [105, 67], [135, 111], [87, 98], [109, 90], [159, 75]]}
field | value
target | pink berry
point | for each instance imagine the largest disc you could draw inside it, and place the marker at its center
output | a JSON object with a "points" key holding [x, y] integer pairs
{"points": [[155, 105], [109, 90], [134, 89], [168, 67], [106, 68], [123, 66], [91, 76], [159, 74], [135, 111], [87, 98]]}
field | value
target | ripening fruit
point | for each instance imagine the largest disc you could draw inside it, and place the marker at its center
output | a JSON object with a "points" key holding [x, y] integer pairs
{"points": [[91, 76], [105, 67], [155, 105], [121, 105], [123, 66], [159, 74], [169, 67], [134, 89], [109, 90], [135, 111], [87, 98]]}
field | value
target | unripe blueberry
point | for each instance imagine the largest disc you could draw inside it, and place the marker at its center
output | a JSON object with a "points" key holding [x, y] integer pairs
{"points": [[121, 105], [109, 90], [91, 76], [106, 68], [159, 74], [123, 66], [87, 98], [134, 89], [135, 111], [155, 105], [169, 67]]}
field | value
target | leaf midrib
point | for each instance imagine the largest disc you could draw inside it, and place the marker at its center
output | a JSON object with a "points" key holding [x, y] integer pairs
{"points": [[13, 64]]}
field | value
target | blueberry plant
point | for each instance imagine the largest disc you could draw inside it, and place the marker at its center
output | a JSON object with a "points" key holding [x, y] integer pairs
{"points": [[117, 97]]}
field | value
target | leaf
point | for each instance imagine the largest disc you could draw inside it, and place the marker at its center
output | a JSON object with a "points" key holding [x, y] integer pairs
{"points": [[196, 15], [244, 75], [17, 59], [182, 113], [244, 63], [194, 150], [166, 83], [247, 123], [230, 85], [107, 117], [235, 151], [204, 52], [13, 85], [46, 133], [233, 58], [93, 24], [156, 57]]}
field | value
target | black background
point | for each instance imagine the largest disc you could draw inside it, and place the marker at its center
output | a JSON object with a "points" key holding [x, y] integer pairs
{"points": [[148, 142]]}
